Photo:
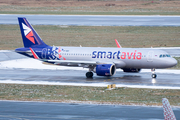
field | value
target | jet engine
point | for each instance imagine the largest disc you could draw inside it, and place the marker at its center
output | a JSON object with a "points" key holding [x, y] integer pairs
{"points": [[134, 70], [105, 69]]}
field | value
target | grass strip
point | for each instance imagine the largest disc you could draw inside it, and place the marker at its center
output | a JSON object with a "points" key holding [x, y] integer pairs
{"points": [[95, 36], [100, 95], [93, 7], [88, 13]]}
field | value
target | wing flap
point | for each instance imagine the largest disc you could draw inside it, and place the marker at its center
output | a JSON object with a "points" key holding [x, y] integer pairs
{"points": [[119, 64], [72, 62]]}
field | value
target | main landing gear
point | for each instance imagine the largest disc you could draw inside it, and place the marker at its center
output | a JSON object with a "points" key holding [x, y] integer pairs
{"points": [[89, 74], [153, 73]]}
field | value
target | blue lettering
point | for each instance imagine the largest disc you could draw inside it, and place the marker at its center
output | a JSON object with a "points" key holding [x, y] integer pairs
{"points": [[100, 54], [118, 55], [94, 54], [109, 55], [103, 54], [114, 54]]}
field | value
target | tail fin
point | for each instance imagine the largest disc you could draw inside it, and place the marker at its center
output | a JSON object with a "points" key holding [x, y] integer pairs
{"points": [[168, 113], [29, 35]]}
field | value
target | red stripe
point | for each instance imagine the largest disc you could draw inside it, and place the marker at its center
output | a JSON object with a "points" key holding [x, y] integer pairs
{"points": [[117, 44], [34, 54]]}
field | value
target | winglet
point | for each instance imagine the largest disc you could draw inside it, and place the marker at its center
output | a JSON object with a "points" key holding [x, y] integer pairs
{"points": [[117, 43], [34, 54], [168, 113]]}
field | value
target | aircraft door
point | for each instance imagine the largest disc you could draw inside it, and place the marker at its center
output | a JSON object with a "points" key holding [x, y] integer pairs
{"points": [[44, 52], [150, 56]]}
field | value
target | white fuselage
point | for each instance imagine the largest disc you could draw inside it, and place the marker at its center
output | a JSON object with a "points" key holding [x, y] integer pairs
{"points": [[122, 57]]}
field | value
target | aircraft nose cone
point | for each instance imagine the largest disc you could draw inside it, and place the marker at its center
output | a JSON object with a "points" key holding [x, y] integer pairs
{"points": [[173, 62]]}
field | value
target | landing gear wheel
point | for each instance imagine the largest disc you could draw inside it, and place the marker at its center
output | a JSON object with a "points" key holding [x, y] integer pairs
{"points": [[89, 74], [154, 75]]}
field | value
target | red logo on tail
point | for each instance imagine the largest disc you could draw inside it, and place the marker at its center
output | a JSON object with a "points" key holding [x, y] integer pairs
{"points": [[28, 33]]}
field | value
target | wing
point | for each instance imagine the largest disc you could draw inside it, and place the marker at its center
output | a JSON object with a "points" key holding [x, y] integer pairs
{"points": [[119, 64]]}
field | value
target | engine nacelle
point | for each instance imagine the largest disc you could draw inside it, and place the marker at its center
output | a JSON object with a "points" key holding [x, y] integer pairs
{"points": [[134, 70], [105, 69]]}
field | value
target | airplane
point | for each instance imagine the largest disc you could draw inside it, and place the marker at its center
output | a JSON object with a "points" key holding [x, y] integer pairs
{"points": [[101, 60], [168, 112]]}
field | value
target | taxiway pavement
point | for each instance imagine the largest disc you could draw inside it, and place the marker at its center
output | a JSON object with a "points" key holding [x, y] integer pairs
{"points": [[31, 71], [12, 110], [94, 20], [77, 78]]}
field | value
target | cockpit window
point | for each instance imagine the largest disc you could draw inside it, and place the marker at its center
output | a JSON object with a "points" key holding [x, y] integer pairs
{"points": [[168, 56], [164, 55]]}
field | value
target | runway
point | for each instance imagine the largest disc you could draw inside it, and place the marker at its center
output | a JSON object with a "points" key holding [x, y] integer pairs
{"points": [[93, 20], [31, 71], [16, 68], [61, 111]]}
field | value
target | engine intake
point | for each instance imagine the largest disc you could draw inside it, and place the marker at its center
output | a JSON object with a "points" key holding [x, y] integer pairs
{"points": [[105, 69]]}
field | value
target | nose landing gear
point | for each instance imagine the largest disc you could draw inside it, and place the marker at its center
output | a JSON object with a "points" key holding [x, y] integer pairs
{"points": [[153, 73]]}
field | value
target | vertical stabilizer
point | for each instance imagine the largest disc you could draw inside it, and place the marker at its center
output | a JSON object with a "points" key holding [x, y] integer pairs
{"points": [[168, 113], [29, 35]]}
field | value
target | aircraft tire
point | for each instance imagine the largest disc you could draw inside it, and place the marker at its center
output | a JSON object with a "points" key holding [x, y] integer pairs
{"points": [[89, 74], [154, 75]]}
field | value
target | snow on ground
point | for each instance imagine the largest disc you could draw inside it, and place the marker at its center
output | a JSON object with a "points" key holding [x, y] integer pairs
{"points": [[86, 84], [30, 63], [5, 50]]}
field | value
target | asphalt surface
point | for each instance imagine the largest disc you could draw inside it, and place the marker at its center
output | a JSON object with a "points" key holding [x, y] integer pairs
{"points": [[11, 110], [93, 20], [16, 75], [60, 77]]}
